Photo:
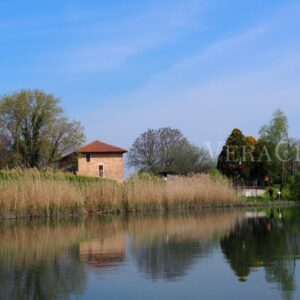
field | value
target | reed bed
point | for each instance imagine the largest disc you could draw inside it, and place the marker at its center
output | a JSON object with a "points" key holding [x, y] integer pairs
{"points": [[29, 193]]}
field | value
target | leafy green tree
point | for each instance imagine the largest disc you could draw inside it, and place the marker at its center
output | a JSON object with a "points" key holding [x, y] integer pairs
{"points": [[167, 150], [273, 155], [259, 167], [39, 132], [248, 160], [191, 159], [277, 130], [230, 160], [282, 149]]}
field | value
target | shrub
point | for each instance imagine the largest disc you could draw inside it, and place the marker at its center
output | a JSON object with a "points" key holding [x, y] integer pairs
{"points": [[295, 187]]}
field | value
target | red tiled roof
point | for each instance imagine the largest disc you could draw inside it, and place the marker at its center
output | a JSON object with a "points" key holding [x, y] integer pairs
{"points": [[100, 147]]}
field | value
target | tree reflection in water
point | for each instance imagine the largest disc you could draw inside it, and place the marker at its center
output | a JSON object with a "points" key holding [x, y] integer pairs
{"points": [[271, 242], [169, 259], [48, 260], [54, 260], [167, 247], [47, 280]]}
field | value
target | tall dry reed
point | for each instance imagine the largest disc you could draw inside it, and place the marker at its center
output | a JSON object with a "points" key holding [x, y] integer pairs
{"points": [[30, 193]]}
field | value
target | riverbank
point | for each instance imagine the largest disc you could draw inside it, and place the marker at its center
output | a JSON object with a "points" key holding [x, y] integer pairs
{"points": [[29, 194]]}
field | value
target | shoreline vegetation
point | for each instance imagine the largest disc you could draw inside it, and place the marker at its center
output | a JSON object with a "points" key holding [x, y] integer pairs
{"points": [[35, 134], [30, 194]]}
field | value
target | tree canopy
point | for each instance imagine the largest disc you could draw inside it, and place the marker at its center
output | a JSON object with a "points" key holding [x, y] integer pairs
{"points": [[167, 150], [273, 155], [35, 129], [277, 130], [231, 154], [282, 149]]}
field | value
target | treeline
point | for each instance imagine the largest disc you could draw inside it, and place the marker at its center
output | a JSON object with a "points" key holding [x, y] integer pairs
{"points": [[35, 133], [273, 158]]}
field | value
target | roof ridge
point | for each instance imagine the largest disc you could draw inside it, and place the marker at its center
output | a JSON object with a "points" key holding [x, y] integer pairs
{"points": [[101, 147]]}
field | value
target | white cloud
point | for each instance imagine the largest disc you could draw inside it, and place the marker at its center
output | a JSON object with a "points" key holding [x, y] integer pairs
{"points": [[209, 109], [104, 45]]}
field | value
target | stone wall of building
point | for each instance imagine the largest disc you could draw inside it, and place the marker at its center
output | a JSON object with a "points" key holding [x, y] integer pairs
{"points": [[112, 165]]}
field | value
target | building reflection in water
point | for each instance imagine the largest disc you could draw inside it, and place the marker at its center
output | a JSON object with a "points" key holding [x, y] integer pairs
{"points": [[52, 260], [103, 253]]}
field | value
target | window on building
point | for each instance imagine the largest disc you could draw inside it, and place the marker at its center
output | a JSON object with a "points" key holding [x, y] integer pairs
{"points": [[88, 157], [100, 171]]}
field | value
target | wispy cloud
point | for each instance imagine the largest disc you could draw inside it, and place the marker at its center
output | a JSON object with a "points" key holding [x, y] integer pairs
{"points": [[233, 82], [111, 44], [202, 66], [206, 112]]}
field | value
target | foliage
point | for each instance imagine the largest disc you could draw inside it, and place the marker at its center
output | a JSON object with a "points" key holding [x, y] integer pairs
{"points": [[252, 244], [145, 176], [214, 172], [274, 136], [250, 140], [36, 128], [273, 155], [259, 167], [167, 150], [231, 157], [277, 130], [295, 187]]}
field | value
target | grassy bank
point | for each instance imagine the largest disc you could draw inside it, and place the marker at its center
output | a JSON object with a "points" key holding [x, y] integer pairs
{"points": [[30, 193]]}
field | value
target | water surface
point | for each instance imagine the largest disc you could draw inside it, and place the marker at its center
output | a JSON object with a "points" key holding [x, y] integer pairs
{"points": [[209, 255]]}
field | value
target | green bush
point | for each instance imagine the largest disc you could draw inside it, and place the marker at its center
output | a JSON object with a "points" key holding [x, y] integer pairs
{"points": [[145, 176], [295, 187], [286, 193], [215, 173]]}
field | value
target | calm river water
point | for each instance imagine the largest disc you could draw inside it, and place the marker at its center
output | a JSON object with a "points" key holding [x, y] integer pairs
{"points": [[210, 255]]}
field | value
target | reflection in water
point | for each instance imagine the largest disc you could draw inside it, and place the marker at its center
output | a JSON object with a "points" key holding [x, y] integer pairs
{"points": [[62, 276], [103, 253], [55, 260], [168, 247], [271, 242], [43, 261], [169, 259]]}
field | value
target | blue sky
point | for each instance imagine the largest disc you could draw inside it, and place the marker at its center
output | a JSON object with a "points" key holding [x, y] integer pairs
{"points": [[121, 67]]}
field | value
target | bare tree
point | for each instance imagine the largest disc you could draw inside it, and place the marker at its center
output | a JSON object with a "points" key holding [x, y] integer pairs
{"points": [[5, 152], [167, 150]]}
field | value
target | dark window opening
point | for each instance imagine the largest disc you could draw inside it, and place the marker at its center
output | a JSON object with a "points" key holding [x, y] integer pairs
{"points": [[88, 157], [100, 171]]}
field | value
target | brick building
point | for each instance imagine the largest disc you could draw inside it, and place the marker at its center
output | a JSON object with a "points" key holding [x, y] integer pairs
{"points": [[96, 159]]}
